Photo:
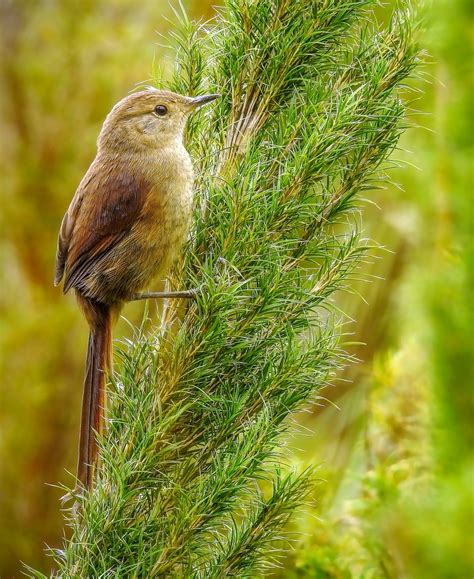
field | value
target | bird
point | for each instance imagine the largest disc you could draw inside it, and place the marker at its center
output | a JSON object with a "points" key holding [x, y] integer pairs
{"points": [[125, 226]]}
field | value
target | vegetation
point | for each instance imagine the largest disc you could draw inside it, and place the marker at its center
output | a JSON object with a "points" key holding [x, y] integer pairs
{"points": [[310, 109], [395, 457], [396, 452]]}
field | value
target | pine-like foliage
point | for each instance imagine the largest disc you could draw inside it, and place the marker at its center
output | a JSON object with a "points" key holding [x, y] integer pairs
{"points": [[192, 481]]}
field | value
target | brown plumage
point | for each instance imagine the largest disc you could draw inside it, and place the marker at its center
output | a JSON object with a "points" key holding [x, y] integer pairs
{"points": [[124, 227]]}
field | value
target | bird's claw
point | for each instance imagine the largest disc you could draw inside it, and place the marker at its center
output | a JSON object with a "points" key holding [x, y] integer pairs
{"points": [[186, 294]]}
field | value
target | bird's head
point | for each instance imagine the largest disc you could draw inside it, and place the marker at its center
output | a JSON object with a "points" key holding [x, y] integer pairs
{"points": [[149, 118]]}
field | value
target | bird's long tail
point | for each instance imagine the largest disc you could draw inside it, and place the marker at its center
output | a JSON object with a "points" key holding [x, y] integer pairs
{"points": [[98, 365]]}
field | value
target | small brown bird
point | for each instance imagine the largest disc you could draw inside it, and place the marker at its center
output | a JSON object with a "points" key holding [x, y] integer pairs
{"points": [[124, 227]]}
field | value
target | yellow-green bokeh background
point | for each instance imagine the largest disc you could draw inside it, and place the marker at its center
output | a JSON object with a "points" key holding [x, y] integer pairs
{"points": [[397, 500]]}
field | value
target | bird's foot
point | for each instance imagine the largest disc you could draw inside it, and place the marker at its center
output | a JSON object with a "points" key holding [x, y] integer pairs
{"points": [[187, 294]]}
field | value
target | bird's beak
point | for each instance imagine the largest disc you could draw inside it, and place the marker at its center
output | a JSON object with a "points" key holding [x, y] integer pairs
{"points": [[199, 101]]}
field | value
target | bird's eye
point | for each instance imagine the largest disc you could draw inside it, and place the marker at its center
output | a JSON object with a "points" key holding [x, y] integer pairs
{"points": [[160, 110]]}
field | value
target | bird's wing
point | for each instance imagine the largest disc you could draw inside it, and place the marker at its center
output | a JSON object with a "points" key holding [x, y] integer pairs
{"points": [[65, 234], [105, 207]]}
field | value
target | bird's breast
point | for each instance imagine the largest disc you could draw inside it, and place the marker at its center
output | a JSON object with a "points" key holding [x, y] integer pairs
{"points": [[166, 215], [169, 202]]}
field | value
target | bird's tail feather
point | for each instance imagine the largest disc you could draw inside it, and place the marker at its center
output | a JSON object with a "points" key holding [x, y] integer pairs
{"points": [[98, 365]]}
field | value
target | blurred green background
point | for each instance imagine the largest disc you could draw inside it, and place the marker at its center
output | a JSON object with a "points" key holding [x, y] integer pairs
{"points": [[394, 441]]}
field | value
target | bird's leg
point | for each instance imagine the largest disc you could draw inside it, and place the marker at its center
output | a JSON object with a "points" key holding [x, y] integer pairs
{"points": [[189, 294]]}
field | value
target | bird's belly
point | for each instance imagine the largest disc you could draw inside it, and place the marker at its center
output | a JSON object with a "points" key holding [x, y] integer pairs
{"points": [[165, 233]]}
